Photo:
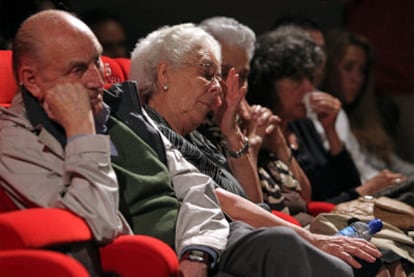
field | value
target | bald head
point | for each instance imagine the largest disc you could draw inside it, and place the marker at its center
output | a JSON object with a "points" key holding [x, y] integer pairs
{"points": [[46, 30]]}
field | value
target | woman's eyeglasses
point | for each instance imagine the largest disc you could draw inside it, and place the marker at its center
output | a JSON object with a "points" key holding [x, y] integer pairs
{"points": [[208, 71]]}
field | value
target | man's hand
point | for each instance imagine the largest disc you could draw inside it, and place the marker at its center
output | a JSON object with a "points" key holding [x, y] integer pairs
{"points": [[70, 104], [347, 248], [192, 269]]}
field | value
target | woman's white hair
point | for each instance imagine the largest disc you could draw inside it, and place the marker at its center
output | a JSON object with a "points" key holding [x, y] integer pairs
{"points": [[229, 31], [172, 44]]}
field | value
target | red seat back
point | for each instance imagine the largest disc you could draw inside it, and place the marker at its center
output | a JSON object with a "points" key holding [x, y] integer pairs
{"points": [[125, 64], [113, 72], [8, 85]]}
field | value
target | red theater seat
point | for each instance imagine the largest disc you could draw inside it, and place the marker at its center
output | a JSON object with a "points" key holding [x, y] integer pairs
{"points": [[28, 262], [8, 86], [37, 229]]}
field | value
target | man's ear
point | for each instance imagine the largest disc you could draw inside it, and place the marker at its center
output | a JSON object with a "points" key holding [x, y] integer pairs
{"points": [[163, 75], [28, 78]]}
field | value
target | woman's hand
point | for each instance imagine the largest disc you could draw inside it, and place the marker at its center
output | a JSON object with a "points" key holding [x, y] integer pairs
{"points": [[326, 107], [261, 126], [382, 180], [226, 115]]}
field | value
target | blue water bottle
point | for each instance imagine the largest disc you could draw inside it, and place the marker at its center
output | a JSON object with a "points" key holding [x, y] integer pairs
{"points": [[359, 229]]}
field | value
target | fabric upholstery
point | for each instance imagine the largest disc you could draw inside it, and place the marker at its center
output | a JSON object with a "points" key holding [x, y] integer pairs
{"points": [[39, 263], [125, 64], [32, 228], [286, 217], [8, 86], [113, 72], [317, 207], [149, 256]]}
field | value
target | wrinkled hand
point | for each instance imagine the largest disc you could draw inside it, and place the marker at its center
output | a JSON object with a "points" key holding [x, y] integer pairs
{"points": [[226, 115], [381, 181], [262, 127], [326, 107], [347, 248], [192, 269], [69, 104]]}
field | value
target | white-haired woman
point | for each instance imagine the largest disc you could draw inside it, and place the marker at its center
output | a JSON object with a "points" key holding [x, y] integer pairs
{"points": [[178, 72]]}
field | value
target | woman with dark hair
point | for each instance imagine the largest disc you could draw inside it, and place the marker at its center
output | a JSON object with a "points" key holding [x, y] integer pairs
{"points": [[349, 77], [282, 73]]}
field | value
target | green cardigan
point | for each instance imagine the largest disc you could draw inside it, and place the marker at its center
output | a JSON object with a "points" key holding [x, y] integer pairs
{"points": [[147, 198]]}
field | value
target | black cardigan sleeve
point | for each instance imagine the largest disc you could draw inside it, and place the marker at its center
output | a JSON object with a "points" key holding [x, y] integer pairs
{"points": [[333, 177]]}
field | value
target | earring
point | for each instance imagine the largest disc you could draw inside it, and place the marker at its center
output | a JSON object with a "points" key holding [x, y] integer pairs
{"points": [[165, 87]]}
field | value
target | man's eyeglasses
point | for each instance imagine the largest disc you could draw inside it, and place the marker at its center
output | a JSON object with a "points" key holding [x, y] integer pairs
{"points": [[225, 68], [208, 71]]}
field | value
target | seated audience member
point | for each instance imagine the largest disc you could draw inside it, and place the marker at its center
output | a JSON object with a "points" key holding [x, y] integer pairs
{"points": [[284, 185], [388, 26], [349, 77], [179, 112], [342, 126], [52, 155], [163, 73], [109, 31], [314, 29], [281, 75]]}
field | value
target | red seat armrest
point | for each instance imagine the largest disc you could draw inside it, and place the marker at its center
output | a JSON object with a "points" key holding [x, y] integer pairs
{"points": [[29, 262], [317, 207], [41, 227], [131, 255], [286, 217]]}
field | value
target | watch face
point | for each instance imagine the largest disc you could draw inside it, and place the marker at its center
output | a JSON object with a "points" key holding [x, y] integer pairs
{"points": [[196, 256]]}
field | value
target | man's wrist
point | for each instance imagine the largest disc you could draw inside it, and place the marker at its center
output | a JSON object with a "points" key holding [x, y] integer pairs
{"points": [[195, 255], [201, 254]]}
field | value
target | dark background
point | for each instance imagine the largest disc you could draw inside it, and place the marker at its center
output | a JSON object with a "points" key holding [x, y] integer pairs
{"points": [[142, 17]]}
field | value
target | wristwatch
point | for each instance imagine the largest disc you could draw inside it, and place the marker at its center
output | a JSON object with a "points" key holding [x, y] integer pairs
{"points": [[196, 256], [239, 153]]}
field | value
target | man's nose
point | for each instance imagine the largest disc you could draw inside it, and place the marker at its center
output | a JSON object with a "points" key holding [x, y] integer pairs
{"points": [[94, 77]]}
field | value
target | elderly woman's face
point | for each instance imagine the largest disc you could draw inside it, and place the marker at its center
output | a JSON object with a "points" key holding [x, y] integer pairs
{"points": [[290, 94], [195, 88]]}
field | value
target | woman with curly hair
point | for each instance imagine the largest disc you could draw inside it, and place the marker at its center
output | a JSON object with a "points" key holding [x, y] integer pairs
{"points": [[282, 73]]}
